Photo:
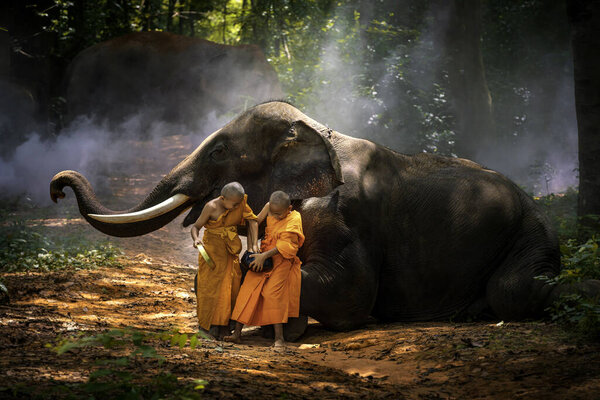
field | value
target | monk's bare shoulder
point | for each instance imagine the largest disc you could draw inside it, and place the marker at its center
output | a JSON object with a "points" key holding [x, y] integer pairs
{"points": [[209, 209], [211, 205]]}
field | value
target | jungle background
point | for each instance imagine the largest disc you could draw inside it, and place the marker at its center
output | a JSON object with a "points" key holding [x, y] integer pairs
{"points": [[512, 85]]}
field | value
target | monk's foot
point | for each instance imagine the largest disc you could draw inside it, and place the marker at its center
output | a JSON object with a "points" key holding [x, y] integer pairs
{"points": [[232, 339], [224, 331], [279, 345]]}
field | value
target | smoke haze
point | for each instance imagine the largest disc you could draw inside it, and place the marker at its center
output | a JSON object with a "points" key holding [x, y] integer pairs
{"points": [[536, 126], [538, 146], [139, 155]]}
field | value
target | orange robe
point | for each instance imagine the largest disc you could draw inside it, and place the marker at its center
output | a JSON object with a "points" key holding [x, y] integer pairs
{"points": [[272, 297], [217, 288]]}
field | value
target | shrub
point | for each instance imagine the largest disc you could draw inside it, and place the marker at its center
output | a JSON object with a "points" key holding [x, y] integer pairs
{"points": [[578, 313], [26, 250], [116, 377]]}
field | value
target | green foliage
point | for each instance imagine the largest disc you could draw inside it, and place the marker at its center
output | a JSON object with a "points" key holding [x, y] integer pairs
{"points": [[562, 211], [23, 249], [579, 314], [580, 262], [116, 377]]}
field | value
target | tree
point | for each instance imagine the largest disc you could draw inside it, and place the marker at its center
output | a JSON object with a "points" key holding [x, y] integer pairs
{"points": [[468, 87], [584, 16]]}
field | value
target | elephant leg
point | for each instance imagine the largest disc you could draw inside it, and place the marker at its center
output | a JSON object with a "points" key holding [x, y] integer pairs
{"points": [[339, 288], [512, 291]]}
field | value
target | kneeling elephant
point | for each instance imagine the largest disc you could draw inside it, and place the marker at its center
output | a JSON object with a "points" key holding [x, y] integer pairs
{"points": [[393, 236]]}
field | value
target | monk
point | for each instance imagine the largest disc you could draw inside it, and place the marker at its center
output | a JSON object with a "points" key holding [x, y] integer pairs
{"points": [[270, 298], [219, 278]]}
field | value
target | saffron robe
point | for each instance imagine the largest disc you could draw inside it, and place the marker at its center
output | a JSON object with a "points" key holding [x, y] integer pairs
{"points": [[272, 297], [217, 288]]}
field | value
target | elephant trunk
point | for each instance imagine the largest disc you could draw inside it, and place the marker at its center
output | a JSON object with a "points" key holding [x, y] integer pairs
{"points": [[156, 210]]}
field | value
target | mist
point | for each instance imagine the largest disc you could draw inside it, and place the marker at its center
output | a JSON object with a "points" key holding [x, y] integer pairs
{"points": [[131, 150], [405, 107], [135, 106], [536, 127]]}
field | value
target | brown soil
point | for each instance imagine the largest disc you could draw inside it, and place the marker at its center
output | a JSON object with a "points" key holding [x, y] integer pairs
{"points": [[153, 291]]}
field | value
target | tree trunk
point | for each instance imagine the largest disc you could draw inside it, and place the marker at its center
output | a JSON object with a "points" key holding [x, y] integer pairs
{"points": [[191, 19], [180, 8], [470, 96], [170, 12], [584, 16], [224, 21], [147, 15]]}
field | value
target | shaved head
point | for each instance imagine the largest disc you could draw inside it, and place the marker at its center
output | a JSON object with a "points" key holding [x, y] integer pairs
{"points": [[280, 199], [233, 190]]}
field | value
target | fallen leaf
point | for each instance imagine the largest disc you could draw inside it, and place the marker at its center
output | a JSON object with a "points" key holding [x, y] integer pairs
{"points": [[308, 346]]}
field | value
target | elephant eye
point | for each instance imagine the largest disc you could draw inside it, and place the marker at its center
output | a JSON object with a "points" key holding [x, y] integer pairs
{"points": [[218, 153]]}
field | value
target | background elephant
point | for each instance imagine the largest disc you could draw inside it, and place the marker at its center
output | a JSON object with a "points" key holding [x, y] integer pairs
{"points": [[397, 237], [162, 76]]}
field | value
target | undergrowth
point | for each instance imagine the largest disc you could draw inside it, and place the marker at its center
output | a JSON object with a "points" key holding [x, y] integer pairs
{"points": [[580, 314], [122, 377], [580, 260], [24, 249]]}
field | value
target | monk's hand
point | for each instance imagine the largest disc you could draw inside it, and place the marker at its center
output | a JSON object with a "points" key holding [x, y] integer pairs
{"points": [[255, 249], [198, 242], [257, 262]]}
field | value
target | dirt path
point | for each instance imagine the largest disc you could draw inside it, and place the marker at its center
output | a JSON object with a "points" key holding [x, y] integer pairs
{"points": [[153, 292], [417, 360]]}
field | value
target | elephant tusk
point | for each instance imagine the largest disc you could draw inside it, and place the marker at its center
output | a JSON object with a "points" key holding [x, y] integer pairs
{"points": [[168, 205]]}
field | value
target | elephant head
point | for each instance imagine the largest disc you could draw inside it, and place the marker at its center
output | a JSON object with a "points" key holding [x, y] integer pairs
{"points": [[272, 146]]}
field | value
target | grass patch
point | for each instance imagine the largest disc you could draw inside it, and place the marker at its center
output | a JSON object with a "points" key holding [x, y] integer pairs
{"points": [[121, 377], [24, 249]]}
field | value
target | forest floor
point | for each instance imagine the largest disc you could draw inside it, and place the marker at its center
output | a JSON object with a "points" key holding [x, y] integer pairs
{"points": [[153, 292]]}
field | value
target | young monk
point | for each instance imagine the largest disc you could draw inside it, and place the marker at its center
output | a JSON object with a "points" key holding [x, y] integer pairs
{"points": [[218, 280], [270, 298]]}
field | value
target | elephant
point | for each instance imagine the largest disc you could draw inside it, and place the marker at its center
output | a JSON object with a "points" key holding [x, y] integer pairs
{"points": [[165, 77], [17, 116], [392, 236]]}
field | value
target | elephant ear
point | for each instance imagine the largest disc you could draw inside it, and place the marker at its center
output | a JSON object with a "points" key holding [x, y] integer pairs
{"points": [[305, 164]]}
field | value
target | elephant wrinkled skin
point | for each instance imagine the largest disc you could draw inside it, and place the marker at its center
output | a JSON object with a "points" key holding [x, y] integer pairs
{"points": [[393, 236], [161, 76]]}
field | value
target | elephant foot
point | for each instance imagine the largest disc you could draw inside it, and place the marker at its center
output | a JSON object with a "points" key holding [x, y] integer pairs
{"points": [[294, 328]]}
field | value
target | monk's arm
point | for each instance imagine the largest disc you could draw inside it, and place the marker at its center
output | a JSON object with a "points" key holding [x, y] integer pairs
{"points": [[270, 253], [258, 259], [252, 240], [287, 245], [200, 222], [262, 214]]}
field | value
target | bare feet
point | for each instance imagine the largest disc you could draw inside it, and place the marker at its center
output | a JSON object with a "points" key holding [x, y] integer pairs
{"points": [[279, 344], [232, 339], [224, 331]]}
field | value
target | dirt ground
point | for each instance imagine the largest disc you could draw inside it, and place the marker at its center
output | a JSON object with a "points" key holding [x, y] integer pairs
{"points": [[402, 360], [154, 292]]}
